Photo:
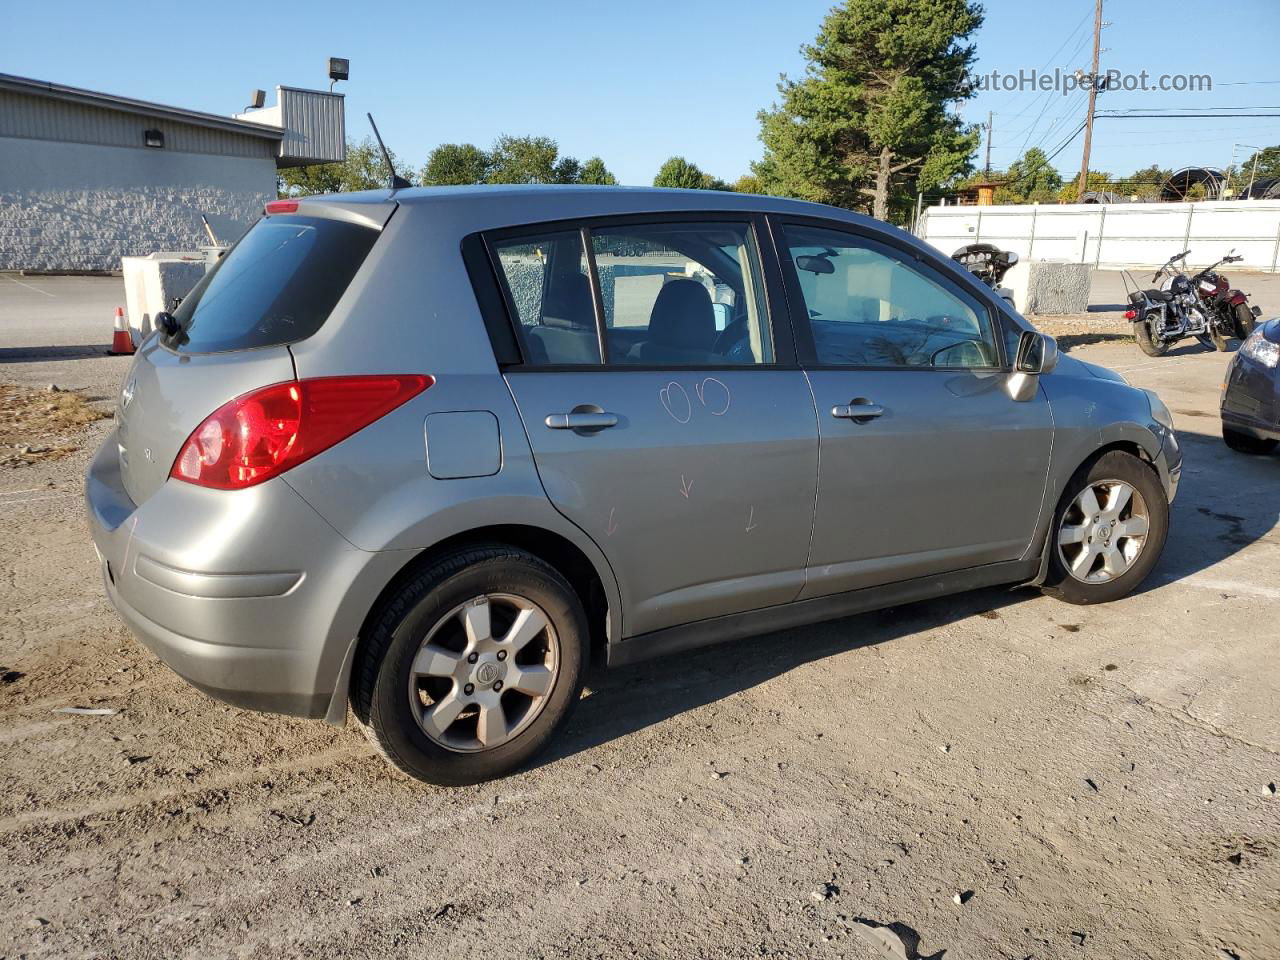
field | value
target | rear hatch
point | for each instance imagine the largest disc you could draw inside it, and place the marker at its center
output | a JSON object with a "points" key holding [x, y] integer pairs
{"points": [[276, 286]]}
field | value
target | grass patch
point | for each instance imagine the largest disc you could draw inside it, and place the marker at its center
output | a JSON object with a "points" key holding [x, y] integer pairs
{"points": [[39, 425]]}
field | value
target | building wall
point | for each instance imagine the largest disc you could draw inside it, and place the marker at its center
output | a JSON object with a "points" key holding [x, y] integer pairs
{"points": [[77, 206]]}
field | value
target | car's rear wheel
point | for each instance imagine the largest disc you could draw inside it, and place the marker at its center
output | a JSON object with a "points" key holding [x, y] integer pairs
{"points": [[1246, 443], [472, 666], [1108, 531]]}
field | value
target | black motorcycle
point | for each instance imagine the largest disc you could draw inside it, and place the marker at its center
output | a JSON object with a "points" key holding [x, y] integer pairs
{"points": [[1166, 314], [989, 264]]}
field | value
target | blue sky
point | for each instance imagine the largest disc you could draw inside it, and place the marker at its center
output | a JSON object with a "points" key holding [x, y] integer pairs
{"points": [[633, 82]]}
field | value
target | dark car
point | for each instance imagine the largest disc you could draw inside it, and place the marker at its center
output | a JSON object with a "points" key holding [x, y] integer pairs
{"points": [[1251, 392]]}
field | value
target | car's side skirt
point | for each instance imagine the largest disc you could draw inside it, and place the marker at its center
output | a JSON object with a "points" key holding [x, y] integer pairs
{"points": [[785, 616]]}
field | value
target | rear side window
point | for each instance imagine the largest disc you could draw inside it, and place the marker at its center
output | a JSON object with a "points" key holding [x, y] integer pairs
{"points": [[277, 285], [549, 289]]}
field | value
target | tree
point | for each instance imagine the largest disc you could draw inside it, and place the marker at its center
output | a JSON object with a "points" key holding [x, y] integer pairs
{"points": [[453, 164], [1032, 179], [530, 160], [870, 122], [748, 183], [1098, 182], [364, 169], [594, 171], [679, 172], [1145, 183], [1268, 166]]}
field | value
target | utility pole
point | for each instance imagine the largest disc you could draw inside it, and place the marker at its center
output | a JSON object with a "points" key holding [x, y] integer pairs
{"points": [[987, 168], [1093, 99]]}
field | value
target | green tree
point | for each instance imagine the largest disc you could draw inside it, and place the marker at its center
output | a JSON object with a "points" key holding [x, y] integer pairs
{"points": [[594, 171], [679, 172], [1098, 182], [1145, 183], [1268, 166], [1032, 179], [454, 164], [748, 183], [530, 160], [871, 121], [364, 169]]}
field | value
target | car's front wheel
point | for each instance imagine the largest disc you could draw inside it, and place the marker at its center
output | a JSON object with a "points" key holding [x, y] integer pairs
{"points": [[472, 666], [1108, 531]]}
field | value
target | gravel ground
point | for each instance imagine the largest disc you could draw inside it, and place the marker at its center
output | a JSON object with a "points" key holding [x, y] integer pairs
{"points": [[1088, 782]]}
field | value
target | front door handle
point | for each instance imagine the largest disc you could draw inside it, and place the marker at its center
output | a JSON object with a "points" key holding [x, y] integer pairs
{"points": [[860, 410], [581, 421]]}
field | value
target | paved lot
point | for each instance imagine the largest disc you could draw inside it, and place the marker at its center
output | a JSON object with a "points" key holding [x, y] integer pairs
{"points": [[1098, 777]]}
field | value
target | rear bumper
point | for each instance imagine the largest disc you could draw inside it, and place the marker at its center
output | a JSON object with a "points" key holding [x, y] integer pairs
{"points": [[249, 595]]}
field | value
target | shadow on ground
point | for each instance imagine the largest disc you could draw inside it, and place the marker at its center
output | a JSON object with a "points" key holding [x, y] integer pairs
{"points": [[1205, 530], [31, 354]]}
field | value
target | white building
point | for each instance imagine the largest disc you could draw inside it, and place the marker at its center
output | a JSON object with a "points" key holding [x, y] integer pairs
{"points": [[87, 178]]}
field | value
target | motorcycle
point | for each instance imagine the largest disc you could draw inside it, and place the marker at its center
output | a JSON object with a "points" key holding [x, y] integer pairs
{"points": [[989, 264], [1164, 315], [1228, 306]]}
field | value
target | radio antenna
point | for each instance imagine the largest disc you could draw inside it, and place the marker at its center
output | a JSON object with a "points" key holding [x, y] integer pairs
{"points": [[397, 182]]}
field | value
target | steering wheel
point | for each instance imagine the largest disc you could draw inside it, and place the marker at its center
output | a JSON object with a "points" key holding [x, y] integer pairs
{"points": [[734, 341]]}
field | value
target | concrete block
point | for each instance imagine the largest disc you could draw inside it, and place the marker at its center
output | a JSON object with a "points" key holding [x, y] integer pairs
{"points": [[1049, 287], [152, 283]]}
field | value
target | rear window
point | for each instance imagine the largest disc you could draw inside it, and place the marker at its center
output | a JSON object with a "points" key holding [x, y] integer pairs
{"points": [[278, 284]]}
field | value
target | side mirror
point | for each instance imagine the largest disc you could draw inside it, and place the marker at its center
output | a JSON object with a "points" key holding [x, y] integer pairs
{"points": [[1010, 258], [1037, 353]]}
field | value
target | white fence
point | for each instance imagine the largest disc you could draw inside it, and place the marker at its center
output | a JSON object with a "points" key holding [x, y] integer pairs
{"points": [[1115, 235]]}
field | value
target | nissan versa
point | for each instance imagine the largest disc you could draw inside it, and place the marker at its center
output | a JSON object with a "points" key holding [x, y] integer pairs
{"points": [[429, 452]]}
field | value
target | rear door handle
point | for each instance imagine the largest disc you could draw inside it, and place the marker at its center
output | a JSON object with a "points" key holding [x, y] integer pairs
{"points": [[859, 411], [581, 421]]}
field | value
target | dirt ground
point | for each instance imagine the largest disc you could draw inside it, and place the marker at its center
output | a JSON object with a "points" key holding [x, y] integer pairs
{"points": [[1088, 782]]}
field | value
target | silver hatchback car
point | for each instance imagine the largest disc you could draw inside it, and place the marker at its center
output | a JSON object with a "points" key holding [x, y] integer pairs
{"points": [[427, 453]]}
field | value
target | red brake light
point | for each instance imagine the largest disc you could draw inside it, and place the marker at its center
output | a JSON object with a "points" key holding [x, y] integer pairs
{"points": [[1131, 314], [281, 206], [264, 433]]}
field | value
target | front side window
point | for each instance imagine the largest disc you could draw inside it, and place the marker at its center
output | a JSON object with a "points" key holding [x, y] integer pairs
{"points": [[868, 307], [682, 294], [549, 290]]}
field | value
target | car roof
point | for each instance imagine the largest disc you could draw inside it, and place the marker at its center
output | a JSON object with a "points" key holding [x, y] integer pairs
{"points": [[533, 203]]}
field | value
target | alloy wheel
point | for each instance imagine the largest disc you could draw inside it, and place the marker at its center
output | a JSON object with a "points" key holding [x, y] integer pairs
{"points": [[1103, 532], [484, 672]]}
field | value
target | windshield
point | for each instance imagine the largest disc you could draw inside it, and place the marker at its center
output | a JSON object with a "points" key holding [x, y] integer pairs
{"points": [[277, 285]]}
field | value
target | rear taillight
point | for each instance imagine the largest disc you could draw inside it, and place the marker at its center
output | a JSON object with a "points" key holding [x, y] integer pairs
{"points": [[264, 433], [281, 206], [1131, 314]]}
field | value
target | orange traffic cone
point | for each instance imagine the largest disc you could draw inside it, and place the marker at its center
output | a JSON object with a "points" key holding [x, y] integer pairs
{"points": [[121, 341]]}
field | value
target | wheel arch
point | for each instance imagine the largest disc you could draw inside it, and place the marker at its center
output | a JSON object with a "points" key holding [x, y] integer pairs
{"points": [[1122, 438], [597, 594]]}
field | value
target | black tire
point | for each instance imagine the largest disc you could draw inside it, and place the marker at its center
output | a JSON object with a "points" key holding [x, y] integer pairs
{"points": [[1245, 321], [1116, 465], [1147, 343], [380, 682], [1246, 443]]}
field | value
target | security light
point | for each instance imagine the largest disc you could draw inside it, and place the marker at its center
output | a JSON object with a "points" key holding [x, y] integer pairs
{"points": [[339, 69], [153, 138], [257, 99]]}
